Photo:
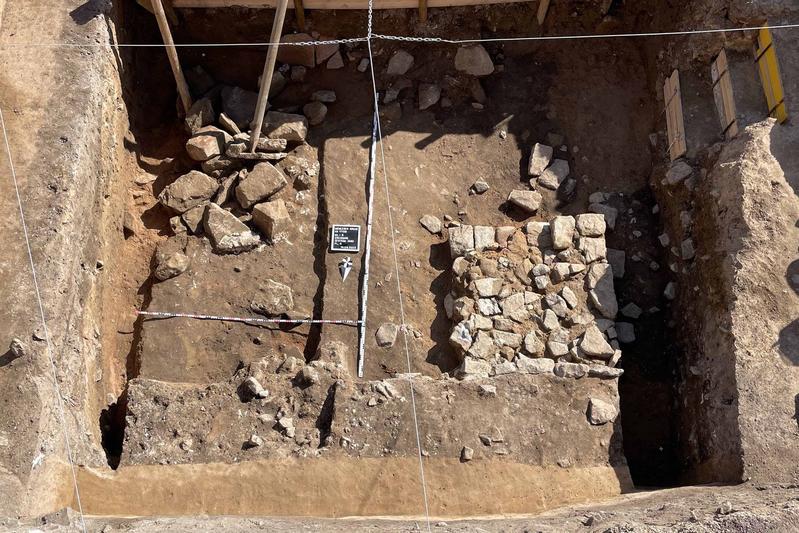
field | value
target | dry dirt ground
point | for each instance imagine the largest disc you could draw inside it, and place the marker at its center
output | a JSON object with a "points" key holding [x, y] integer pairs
{"points": [[709, 394], [688, 510]]}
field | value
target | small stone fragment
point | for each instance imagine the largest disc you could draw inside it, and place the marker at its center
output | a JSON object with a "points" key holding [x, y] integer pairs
{"points": [[188, 191], [610, 213], [591, 224], [539, 159], [467, 454], [431, 223], [594, 344], [400, 63], [429, 95], [553, 176], [479, 187], [259, 184], [335, 62], [562, 228], [386, 335], [687, 249], [17, 348], [678, 172], [207, 142], [670, 292], [625, 332], [461, 240], [570, 370], [528, 201], [617, 259], [540, 365], [272, 218], [324, 96], [601, 412], [226, 232], [315, 112], [272, 299], [593, 248], [170, 259], [290, 127], [474, 60], [631, 310]]}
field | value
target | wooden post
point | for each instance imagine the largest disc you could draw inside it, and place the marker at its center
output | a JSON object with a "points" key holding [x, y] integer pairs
{"points": [[269, 68], [299, 12], [543, 7], [423, 10], [172, 53]]}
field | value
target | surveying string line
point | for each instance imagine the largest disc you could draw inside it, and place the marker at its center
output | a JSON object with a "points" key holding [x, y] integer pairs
{"points": [[56, 387], [182, 45], [579, 37], [406, 38], [399, 286], [165, 314]]}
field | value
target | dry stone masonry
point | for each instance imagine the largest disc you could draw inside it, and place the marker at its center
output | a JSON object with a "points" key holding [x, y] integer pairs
{"points": [[537, 299]]}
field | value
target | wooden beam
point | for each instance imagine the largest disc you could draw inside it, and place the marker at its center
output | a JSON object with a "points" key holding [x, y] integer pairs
{"points": [[269, 69], [674, 116], [422, 10], [339, 4], [299, 13], [168, 9], [543, 8], [172, 53]]}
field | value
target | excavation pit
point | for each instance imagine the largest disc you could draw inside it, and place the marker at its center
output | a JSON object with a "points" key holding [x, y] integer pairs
{"points": [[172, 401]]}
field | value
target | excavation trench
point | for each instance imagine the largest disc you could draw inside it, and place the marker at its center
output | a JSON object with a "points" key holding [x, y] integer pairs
{"points": [[597, 99]]}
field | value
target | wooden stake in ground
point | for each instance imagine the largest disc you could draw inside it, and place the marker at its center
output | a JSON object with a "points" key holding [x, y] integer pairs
{"points": [[266, 77], [543, 7], [299, 13], [172, 53]]}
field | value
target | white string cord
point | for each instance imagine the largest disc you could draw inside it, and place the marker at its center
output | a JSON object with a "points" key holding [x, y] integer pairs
{"points": [[580, 37], [397, 275], [59, 398], [387, 37]]}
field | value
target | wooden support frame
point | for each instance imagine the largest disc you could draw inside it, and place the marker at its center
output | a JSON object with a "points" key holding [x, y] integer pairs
{"points": [[339, 4], [723, 95], [674, 117], [543, 9], [299, 13], [422, 10], [172, 53], [769, 68], [269, 69]]}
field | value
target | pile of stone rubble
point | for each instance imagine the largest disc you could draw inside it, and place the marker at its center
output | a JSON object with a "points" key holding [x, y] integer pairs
{"points": [[231, 196], [536, 299]]}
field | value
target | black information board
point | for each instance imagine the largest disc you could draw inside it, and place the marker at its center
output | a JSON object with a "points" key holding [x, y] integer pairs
{"points": [[345, 238]]}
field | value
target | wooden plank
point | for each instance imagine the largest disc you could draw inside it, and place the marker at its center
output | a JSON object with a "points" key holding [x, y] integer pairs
{"points": [[339, 4], [168, 9], [543, 8], [172, 53], [422, 10], [269, 69], [299, 12], [769, 68], [723, 95], [674, 116]]}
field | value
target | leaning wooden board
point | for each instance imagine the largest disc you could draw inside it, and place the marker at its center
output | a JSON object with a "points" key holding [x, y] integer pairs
{"points": [[674, 117], [722, 94]]}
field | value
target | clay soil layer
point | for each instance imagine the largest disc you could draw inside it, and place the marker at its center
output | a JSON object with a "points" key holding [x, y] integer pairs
{"points": [[344, 487]]}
